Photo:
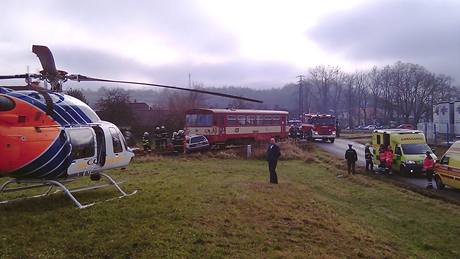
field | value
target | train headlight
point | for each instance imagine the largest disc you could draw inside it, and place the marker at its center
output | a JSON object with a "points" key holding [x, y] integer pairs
{"points": [[410, 162], [315, 132], [333, 133]]}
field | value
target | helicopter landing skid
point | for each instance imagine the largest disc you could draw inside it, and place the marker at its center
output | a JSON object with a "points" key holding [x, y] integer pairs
{"points": [[59, 184]]}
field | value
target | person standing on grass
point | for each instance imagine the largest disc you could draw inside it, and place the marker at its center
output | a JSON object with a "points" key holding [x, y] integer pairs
{"points": [[428, 165], [368, 156], [351, 156], [273, 153]]}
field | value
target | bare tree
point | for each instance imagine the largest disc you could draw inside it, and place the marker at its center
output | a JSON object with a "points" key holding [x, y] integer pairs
{"points": [[114, 107]]}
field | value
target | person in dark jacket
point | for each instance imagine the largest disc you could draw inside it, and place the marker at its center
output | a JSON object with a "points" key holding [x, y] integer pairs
{"points": [[273, 153], [368, 156], [351, 156]]}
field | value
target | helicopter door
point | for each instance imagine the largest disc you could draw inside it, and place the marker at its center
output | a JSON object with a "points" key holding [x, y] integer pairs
{"points": [[117, 154], [101, 147], [83, 142]]}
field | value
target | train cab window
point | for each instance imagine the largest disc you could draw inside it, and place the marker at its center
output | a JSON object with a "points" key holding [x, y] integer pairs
{"points": [[200, 120], [276, 119], [231, 120], [116, 141], [378, 140], [241, 120], [82, 141]]}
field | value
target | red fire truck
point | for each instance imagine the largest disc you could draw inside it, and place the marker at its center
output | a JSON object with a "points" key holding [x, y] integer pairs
{"points": [[231, 126], [319, 126]]}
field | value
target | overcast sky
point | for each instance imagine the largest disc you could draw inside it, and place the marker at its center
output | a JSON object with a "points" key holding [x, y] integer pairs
{"points": [[237, 42]]}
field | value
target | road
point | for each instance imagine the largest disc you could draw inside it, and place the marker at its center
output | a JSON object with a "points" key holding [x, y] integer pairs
{"points": [[340, 145]]}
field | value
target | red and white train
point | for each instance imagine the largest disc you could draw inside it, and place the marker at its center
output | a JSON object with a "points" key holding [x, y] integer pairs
{"points": [[232, 126]]}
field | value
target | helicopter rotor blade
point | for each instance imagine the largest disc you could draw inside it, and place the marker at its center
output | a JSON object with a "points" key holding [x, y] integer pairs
{"points": [[15, 76], [85, 78], [47, 61]]}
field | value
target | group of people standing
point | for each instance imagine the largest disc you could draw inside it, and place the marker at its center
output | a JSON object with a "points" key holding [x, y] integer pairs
{"points": [[160, 137], [385, 157]]}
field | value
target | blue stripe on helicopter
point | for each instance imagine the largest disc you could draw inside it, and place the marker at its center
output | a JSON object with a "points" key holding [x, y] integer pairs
{"points": [[44, 159], [59, 114], [81, 113], [53, 168], [72, 109], [39, 105]]}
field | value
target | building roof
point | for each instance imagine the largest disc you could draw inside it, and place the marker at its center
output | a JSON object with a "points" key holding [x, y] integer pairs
{"points": [[139, 106]]}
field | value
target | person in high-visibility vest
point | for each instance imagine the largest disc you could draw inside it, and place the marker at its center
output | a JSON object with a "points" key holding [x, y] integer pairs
{"points": [[146, 142], [428, 165], [389, 159]]}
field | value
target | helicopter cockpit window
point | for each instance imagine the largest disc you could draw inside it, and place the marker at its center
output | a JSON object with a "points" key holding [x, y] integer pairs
{"points": [[6, 104], [82, 141], [117, 147], [90, 113]]}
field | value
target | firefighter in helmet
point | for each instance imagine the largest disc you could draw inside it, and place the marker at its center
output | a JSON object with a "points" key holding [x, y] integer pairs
{"points": [[164, 137], [146, 142], [157, 138]]}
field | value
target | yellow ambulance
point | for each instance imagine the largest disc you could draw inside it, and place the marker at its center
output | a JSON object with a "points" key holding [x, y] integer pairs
{"points": [[409, 148], [447, 170]]}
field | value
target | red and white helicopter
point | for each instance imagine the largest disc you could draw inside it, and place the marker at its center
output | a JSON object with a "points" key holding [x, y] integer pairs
{"points": [[48, 138]]}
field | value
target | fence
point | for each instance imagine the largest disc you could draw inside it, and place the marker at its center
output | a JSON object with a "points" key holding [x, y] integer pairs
{"points": [[440, 133]]}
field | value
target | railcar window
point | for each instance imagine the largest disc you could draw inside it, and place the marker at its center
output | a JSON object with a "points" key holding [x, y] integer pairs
{"points": [[231, 120], [276, 118], [117, 147], [251, 120], [268, 120], [242, 120], [82, 141], [260, 119]]}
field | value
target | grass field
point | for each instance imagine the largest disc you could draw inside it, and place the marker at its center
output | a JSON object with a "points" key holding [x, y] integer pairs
{"points": [[209, 207]]}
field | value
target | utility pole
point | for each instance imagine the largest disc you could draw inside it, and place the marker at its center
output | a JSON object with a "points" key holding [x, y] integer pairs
{"points": [[301, 95], [189, 80]]}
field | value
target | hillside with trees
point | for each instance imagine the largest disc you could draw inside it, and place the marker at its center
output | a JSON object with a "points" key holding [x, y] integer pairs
{"points": [[401, 92]]}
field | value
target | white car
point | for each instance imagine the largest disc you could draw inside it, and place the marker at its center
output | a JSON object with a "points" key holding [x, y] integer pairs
{"points": [[370, 127], [195, 143]]}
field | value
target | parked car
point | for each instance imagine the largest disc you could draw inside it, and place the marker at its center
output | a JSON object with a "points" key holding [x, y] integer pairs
{"points": [[194, 143], [370, 127], [406, 126]]}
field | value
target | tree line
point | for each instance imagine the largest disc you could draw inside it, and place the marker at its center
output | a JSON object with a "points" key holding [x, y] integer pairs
{"points": [[401, 92]]}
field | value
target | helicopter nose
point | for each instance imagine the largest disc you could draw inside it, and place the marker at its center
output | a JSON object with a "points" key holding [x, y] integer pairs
{"points": [[24, 135]]}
